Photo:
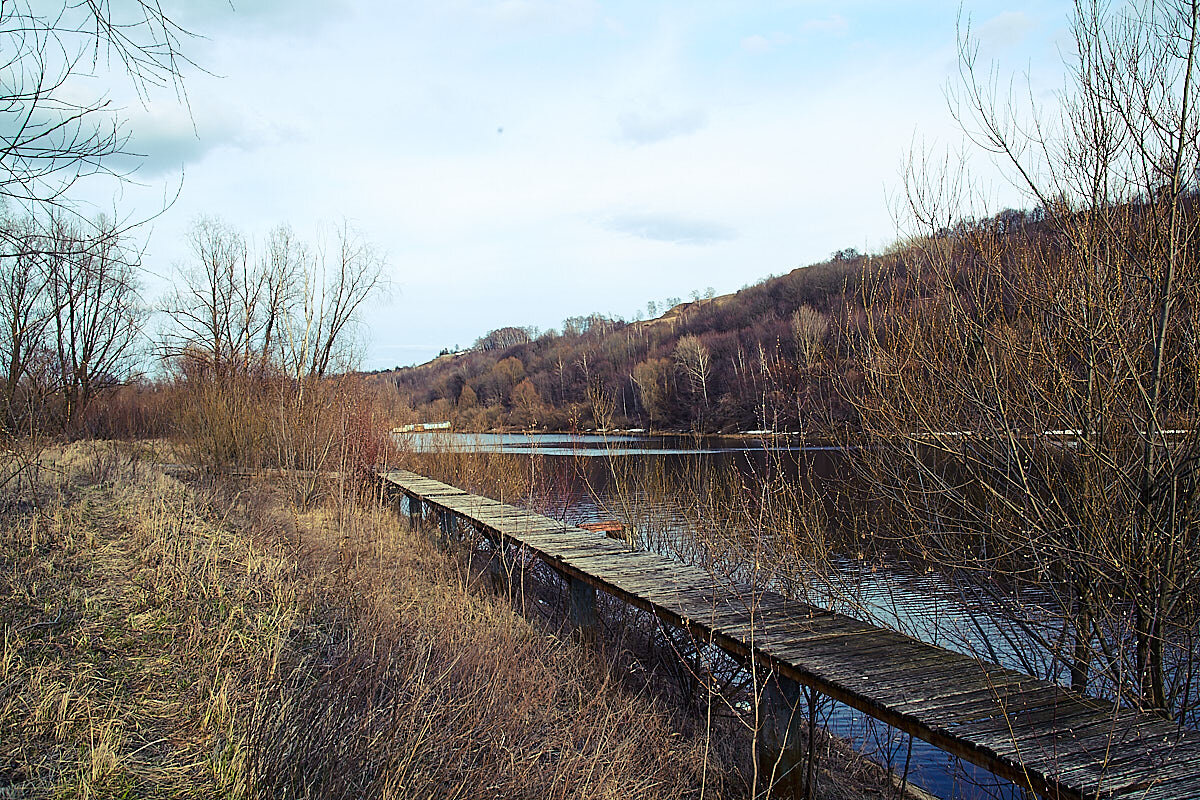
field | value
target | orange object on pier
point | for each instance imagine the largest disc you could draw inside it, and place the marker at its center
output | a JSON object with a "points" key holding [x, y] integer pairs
{"points": [[608, 526]]}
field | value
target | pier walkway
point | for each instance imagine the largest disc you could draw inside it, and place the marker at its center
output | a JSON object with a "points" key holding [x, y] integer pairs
{"points": [[1033, 732]]}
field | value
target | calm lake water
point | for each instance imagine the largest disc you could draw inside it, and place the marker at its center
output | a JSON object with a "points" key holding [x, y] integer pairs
{"points": [[598, 445], [593, 477]]}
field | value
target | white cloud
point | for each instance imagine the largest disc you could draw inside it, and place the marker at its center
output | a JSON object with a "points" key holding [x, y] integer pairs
{"points": [[164, 138], [655, 124], [1005, 30], [669, 228], [759, 43], [756, 44], [834, 23]]}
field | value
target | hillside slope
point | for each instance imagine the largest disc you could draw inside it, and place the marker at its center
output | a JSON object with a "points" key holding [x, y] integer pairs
{"points": [[712, 364], [781, 355]]}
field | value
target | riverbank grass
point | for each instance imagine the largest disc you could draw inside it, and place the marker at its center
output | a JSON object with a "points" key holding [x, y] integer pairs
{"points": [[197, 638]]}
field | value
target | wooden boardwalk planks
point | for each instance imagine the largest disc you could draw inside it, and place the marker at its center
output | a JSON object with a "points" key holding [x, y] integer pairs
{"points": [[1030, 731]]}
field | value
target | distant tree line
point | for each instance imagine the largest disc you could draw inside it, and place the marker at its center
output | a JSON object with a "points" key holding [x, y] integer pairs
{"points": [[714, 363]]}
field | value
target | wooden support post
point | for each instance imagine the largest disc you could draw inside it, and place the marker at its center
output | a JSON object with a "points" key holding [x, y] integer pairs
{"points": [[446, 523], [390, 498], [414, 511], [781, 737], [583, 608], [811, 756], [497, 569]]}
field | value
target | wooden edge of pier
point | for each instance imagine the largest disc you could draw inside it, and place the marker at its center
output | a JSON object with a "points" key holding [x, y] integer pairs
{"points": [[1033, 732]]}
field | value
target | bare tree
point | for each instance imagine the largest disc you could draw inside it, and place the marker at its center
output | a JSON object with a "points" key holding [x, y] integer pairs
{"points": [[602, 404], [692, 357], [285, 261], [24, 314], [809, 329], [96, 315], [1031, 394], [71, 317], [291, 309], [51, 131], [216, 310], [650, 379], [336, 284]]}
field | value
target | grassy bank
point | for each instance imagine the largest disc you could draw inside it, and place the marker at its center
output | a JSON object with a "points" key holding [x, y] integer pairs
{"points": [[207, 638]]}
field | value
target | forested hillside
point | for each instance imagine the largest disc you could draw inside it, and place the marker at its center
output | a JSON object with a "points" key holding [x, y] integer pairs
{"points": [[778, 355], [708, 364]]}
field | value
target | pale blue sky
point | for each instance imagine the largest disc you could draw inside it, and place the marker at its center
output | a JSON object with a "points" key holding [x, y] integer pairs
{"points": [[525, 160]]}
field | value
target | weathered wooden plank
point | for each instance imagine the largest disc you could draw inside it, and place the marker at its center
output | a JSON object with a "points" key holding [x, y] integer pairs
{"points": [[518, 522], [1160, 788], [603, 557], [1017, 719], [571, 537], [784, 637], [913, 667], [724, 618], [847, 643], [653, 579], [944, 701], [565, 544], [683, 599], [1029, 730], [625, 570], [733, 615], [1118, 744]]}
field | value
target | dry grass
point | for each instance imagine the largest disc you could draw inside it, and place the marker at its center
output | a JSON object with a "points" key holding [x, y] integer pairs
{"points": [[166, 639]]}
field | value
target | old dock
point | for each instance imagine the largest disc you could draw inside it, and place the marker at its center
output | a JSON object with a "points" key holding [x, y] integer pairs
{"points": [[1033, 732]]}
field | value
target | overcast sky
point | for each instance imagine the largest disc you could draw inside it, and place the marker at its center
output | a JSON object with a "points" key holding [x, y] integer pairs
{"points": [[523, 161]]}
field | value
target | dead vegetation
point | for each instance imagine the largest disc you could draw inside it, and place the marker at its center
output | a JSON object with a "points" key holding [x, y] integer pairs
{"points": [[207, 639]]}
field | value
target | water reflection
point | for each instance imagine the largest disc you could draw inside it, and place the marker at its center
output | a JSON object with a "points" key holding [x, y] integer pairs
{"points": [[588, 445]]}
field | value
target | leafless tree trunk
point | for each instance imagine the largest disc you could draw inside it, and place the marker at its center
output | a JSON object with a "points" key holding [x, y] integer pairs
{"points": [[693, 358], [97, 313], [216, 311], [650, 379], [285, 261], [24, 315], [337, 288], [809, 329]]}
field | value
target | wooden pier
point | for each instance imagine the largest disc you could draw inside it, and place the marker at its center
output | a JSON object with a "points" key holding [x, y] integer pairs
{"points": [[1030, 731]]}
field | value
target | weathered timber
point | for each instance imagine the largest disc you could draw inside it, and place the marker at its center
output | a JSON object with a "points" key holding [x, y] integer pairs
{"points": [[583, 608], [1033, 732]]}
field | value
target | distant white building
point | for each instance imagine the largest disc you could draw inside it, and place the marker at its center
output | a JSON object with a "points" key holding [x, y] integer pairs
{"points": [[421, 427]]}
